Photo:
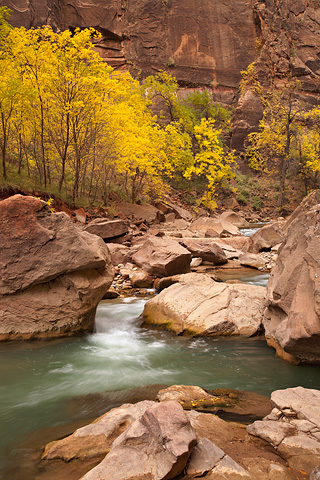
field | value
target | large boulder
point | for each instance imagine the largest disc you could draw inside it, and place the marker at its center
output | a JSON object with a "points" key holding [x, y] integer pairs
{"points": [[199, 305], [107, 229], [214, 227], [168, 207], [266, 237], [293, 427], [252, 260], [147, 214], [52, 274], [157, 446], [292, 316], [162, 257], [208, 251], [234, 218]]}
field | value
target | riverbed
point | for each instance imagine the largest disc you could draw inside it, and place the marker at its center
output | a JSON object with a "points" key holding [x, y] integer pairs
{"points": [[48, 384]]}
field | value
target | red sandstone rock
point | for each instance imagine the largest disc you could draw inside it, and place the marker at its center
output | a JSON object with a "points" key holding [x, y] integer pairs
{"points": [[107, 229], [53, 275], [292, 317], [156, 447], [162, 257]]}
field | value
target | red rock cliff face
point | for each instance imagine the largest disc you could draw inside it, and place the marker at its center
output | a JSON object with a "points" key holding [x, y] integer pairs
{"points": [[202, 42]]}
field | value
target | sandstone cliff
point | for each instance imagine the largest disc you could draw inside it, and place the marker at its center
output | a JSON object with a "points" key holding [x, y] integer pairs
{"points": [[203, 43]]}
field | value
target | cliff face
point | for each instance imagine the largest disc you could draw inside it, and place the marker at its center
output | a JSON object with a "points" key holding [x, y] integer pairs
{"points": [[201, 42]]}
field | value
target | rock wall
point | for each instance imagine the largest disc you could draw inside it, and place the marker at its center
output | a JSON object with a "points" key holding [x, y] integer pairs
{"points": [[201, 42]]}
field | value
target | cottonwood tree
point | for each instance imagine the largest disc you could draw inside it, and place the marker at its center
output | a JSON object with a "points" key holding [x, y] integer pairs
{"points": [[270, 149]]}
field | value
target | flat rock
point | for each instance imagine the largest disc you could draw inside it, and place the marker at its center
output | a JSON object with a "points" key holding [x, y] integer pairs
{"points": [[199, 305], [96, 438], [147, 214], [214, 227]]}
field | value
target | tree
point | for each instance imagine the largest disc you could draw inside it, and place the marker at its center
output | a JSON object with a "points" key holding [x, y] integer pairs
{"points": [[211, 161], [270, 148]]}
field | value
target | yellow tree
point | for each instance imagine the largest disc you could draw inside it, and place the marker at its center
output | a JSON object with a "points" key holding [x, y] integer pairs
{"points": [[270, 148], [211, 161]]}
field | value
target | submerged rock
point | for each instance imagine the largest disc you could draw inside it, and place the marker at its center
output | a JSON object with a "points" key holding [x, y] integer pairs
{"points": [[199, 305], [52, 274]]}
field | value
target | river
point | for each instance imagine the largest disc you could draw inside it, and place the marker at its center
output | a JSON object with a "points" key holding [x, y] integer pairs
{"points": [[46, 384]]}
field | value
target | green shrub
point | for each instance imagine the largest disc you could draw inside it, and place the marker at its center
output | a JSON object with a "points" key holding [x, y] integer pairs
{"points": [[245, 193], [256, 203], [241, 199]]}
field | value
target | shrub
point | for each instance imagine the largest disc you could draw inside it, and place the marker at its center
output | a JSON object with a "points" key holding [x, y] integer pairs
{"points": [[241, 199], [256, 203]]}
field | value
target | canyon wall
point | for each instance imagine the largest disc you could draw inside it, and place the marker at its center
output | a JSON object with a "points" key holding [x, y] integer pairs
{"points": [[201, 42]]}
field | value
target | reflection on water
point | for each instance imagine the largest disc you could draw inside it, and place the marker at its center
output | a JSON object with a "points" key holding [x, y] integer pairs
{"points": [[39, 381]]}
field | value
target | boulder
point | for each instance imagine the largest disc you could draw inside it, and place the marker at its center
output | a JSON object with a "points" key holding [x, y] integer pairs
{"points": [[241, 243], [292, 316], [156, 446], [199, 305], [293, 427], [107, 229], [168, 207], [147, 214], [210, 462], [52, 274], [208, 251], [234, 218], [140, 279], [120, 254], [96, 438], [266, 238], [252, 260], [162, 257], [80, 215], [212, 227]]}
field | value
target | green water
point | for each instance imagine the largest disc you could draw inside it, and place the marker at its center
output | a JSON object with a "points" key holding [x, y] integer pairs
{"points": [[43, 384]]}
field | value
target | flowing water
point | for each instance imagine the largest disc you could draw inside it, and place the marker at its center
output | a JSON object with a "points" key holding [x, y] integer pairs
{"points": [[45, 384], [248, 232]]}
